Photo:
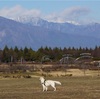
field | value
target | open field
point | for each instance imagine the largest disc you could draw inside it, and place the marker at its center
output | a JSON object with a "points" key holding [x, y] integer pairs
{"points": [[85, 87]]}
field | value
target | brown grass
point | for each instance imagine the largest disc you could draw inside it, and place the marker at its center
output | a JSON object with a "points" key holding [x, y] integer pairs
{"points": [[73, 72], [84, 87]]}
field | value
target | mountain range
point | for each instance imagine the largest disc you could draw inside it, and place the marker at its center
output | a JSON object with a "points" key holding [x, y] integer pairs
{"points": [[35, 32]]}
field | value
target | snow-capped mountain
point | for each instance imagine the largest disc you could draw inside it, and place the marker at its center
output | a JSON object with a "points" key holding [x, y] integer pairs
{"points": [[36, 32], [69, 27], [35, 21]]}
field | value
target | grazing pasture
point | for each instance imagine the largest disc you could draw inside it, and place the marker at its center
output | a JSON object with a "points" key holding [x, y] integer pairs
{"points": [[75, 87]]}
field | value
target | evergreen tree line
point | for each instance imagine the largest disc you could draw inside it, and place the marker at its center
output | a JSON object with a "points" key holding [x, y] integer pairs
{"points": [[55, 54]]}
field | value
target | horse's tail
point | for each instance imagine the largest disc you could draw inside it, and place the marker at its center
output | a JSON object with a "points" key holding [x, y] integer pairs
{"points": [[57, 82]]}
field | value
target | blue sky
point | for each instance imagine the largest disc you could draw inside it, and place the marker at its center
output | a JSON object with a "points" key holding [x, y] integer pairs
{"points": [[81, 11]]}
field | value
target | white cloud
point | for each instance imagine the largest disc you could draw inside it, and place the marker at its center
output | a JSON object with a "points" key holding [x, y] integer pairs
{"points": [[70, 14], [75, 11], [19, 11], [74, 14]]}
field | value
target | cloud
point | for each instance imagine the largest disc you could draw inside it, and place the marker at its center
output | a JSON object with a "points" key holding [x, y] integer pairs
{"points": [[69, 14], [74, 14], [19, 11], [75, 11]]}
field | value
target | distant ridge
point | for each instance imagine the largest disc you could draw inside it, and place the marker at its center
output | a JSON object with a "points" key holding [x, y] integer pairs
{"points": [[37, 32]]}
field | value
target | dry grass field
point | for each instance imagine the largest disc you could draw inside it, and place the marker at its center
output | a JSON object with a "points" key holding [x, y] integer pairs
{"points": [[73, 87]]}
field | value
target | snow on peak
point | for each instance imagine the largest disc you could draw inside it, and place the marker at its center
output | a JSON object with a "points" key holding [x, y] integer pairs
{"points": [[28, 19], [37, 20], [73, 22]]}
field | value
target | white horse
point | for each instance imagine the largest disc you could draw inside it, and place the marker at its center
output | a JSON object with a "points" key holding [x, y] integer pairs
{"points": [[46, 83]]}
